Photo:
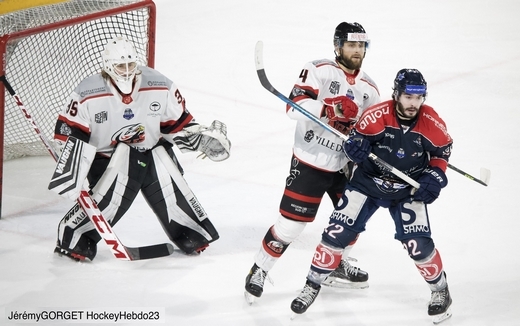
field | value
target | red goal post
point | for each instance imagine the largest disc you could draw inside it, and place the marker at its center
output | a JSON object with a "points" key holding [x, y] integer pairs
{"points": [[47, 50]]}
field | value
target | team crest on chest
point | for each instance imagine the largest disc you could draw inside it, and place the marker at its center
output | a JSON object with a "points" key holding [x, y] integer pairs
{"points": [[128, 114]]}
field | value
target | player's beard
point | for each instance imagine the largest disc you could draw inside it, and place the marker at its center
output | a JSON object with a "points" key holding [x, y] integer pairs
{"points": [[351, 64], [406, 113]]}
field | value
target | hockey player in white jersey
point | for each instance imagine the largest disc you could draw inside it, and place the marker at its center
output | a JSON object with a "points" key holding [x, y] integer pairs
{"points": [[337, 91], [133, 115]]}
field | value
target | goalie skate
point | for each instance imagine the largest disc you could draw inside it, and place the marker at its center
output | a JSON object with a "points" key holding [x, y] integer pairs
{"points": [[347, 276]]}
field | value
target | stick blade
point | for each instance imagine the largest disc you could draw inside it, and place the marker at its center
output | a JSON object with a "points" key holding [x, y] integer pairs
{"points": [[485, 175], [149, 252], [259, 62]]}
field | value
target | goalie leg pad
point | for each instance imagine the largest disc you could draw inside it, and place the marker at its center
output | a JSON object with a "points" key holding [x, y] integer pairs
{"points": [[76, 235], [175, 205], [118, 185]]}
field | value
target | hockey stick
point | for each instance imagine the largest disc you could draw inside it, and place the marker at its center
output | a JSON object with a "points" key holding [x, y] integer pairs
{"points": [[485, 175], [90, 207], [259, 61]]}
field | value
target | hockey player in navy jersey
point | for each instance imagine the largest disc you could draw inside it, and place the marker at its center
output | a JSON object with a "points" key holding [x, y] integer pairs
{"points": [[133, 115], [337, 91], [409, 135]]}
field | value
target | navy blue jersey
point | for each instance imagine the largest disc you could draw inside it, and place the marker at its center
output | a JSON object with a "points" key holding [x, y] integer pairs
{"points": [[425, 143]]}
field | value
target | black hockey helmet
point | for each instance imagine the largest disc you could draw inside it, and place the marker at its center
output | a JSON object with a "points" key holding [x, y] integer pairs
{"points": [[341, 34], [409, 81]]}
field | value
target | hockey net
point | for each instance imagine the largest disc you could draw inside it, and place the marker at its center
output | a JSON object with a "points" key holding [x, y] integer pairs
{"points": [[47, 50]]}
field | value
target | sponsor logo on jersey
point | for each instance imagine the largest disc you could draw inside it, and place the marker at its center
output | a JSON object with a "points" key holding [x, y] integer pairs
{"points": [[437, 124], [373, 115], [400, 153], [101, 117], [329, 144], [334, 87], [388, 148], [128, 114], [155, 106], [321, 61], [92, 91], [156, 83], [388, 186]]}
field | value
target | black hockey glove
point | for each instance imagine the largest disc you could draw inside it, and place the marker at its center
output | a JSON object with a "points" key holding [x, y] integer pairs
{"points": [[357, 149], [432, 180]]}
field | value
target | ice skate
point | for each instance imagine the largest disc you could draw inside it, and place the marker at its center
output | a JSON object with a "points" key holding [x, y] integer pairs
{"points": [[254, 284], [439, 306], [347, 276], [304, 300]]}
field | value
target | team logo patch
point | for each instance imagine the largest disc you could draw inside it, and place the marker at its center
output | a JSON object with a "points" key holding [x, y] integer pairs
{"points": [[275, 246], [129, 134], [309, 135], [101, 117], [297, 92], [65, 129], [128, 114], [400, 153]]}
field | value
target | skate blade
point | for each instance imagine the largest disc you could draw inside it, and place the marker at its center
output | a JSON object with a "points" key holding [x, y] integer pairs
{"points": [[250, 299], [437, 319], [340, 283]]}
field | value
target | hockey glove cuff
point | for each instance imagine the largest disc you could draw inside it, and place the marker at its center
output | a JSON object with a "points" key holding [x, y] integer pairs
{"points": [[432, 180]]}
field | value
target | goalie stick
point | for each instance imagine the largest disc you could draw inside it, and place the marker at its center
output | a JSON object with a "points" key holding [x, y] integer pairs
{"points": [[90, 207], [259, 61]]}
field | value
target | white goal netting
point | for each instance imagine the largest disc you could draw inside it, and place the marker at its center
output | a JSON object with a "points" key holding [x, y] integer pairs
{"points": [[48, 50]]}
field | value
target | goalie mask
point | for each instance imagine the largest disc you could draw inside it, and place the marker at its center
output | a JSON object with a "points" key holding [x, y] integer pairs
{"points": [[120, 63]]}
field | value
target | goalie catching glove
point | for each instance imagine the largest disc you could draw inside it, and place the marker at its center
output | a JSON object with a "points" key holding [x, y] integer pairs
{"points": [[212, 141]]}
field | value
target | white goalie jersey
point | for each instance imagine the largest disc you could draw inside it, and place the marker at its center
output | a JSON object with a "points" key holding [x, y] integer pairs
{"points": [[319, 80], [98, 114]]}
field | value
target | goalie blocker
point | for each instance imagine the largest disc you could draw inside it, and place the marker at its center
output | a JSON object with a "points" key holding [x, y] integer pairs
{"points": [[117, 181]]}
